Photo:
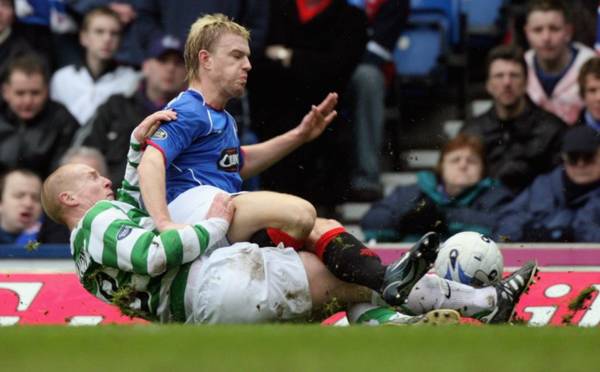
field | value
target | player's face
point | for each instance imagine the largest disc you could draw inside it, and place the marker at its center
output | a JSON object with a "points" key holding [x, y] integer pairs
{"points": [[165, 75], [548, 34], [506, 82], [20, 205], [101, 39], [591, 95], [25, 94], [461, 168], [6, 14], [90, 186], [582, 168], [231, 64]]}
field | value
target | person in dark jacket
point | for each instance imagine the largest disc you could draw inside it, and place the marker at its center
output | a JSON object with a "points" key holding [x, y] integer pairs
{"points": [[367, 91], [457, 197], [521, 140], [312, 48], [34, 131], [563, 205], [164, 75]]}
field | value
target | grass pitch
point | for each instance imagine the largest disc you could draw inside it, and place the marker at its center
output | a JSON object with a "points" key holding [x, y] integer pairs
{"points": [[299, 348]]}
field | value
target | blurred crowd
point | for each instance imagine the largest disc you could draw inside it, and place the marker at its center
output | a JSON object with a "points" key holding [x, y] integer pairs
{"points": [[78, 76]]}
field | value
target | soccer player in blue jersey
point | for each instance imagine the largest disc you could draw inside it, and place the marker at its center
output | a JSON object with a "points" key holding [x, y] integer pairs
{"points": [[192, 158]]}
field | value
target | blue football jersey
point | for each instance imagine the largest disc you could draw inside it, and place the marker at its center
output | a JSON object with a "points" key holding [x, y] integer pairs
{"points": [[201, 147]]}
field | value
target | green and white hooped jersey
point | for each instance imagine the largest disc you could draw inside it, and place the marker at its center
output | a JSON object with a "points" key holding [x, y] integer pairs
{"points": [[121, 259]]}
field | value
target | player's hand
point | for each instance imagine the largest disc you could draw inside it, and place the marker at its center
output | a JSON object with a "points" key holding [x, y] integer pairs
{"points": [[150, 124], [221, 207], [318, 118]]}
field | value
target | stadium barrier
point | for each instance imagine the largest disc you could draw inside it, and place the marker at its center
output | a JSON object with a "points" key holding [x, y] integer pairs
{"points": [[40, 286]]}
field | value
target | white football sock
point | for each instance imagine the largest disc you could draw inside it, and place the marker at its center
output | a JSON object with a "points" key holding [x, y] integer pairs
{"points": [[433, 292]]}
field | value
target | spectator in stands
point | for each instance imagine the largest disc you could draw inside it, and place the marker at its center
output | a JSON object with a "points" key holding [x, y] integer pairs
{"points": [[554, 60], [52, 232], [312, 49], [12, 42], [456, 197], [83, 88], [563, 205], [521, 140], [34, 131], [367, 93], [164, 76], [589, 88], [51, 29], [20, 207], [159, 17]]}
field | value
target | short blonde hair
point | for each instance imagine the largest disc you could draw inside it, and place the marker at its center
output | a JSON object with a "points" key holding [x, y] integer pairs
{"points": [[57, 182], [204, 34]]}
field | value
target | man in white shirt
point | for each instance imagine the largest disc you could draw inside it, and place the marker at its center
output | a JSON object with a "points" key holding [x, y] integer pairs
{"points": [[83, 88]]}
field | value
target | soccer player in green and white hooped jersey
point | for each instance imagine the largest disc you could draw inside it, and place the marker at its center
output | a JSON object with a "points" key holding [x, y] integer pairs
{"points": [[118, 255]]}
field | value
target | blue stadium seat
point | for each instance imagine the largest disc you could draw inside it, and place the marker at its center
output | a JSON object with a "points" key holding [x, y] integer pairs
{"points": [[445, 12], [418, 51], [482, 16]]}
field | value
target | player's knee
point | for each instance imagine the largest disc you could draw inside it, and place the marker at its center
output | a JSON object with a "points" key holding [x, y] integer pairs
{"points": [[302, 217]]}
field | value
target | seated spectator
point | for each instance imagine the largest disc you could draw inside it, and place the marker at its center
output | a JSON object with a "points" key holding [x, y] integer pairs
{"points": [[164, 76], [521, 140], [20, 206], [589, 89], [83, 88], [34, 131], [554, 60], [12, 40], [456, 197], [564, 205], [52, 232]]}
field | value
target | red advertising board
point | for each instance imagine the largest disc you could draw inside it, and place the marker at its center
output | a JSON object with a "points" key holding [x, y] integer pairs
{"points": [[53, 299], [60, 299]]}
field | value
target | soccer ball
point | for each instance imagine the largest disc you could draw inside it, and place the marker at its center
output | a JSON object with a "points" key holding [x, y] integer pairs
{"points": [[470, 258]]}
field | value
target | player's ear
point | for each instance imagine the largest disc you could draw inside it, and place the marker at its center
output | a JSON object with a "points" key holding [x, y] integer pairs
{"points": [[204, 59], [67, 199]]}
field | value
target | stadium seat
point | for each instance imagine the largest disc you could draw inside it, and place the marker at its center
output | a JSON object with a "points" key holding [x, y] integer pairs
{"points": [[445, 12], [418, 52], [482, 16]]}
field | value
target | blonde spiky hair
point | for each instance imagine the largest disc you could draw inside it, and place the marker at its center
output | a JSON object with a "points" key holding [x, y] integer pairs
{"points": [[203, 35]]}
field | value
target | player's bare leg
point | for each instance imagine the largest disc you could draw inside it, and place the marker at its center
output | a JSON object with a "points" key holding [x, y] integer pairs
{"points": [[268, 218]]}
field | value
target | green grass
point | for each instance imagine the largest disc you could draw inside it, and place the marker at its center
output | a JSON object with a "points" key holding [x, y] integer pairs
{"points": [[299, 348]]}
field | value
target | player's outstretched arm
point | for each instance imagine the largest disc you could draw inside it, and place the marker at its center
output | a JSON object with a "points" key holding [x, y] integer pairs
{"points": [[261, 156]]}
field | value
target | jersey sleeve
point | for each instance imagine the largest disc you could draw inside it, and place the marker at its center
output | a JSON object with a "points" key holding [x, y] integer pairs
{"points": [[114, 240], [174, 137], [129, 192]]}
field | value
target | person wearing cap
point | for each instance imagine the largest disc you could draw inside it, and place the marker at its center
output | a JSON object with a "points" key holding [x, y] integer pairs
{"points": [[163, 77], [83, 88], [563, 205]]}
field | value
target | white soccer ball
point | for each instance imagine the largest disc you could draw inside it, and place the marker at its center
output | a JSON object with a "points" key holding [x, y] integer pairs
{"points": [[470, 258]]}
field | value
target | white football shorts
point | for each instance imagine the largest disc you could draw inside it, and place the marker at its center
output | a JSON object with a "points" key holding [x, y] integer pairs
{"points": [[191, 207], [247, 284]]}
